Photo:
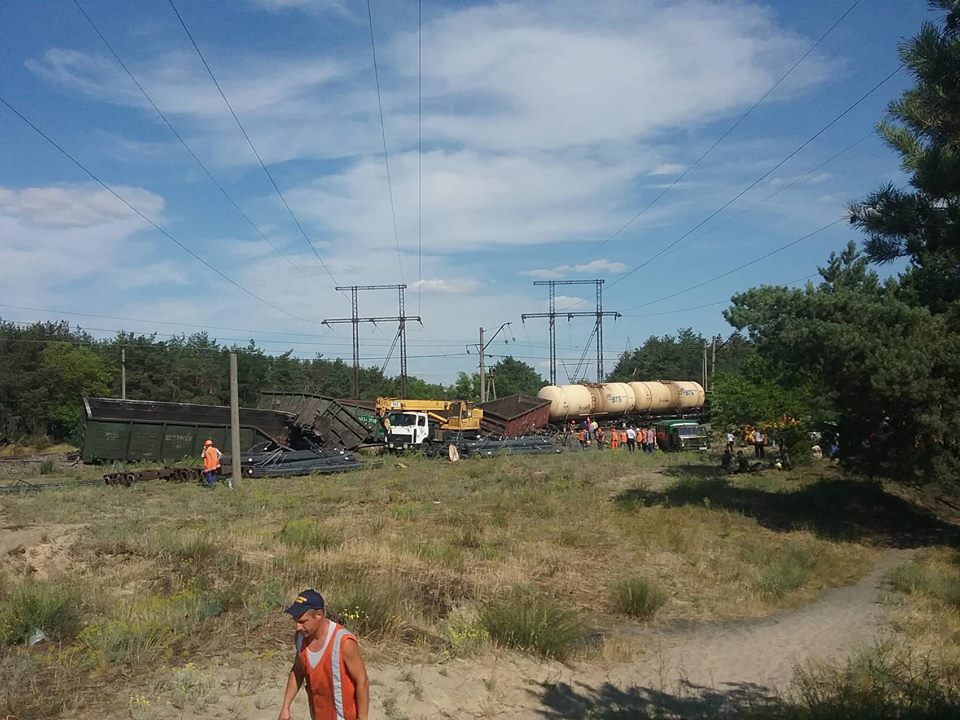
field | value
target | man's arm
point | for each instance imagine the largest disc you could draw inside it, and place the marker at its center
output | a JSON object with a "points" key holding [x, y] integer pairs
{"points": [[294, 681], [358, 673]]}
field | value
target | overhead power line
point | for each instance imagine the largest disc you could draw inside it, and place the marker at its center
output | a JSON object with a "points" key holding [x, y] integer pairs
{"points": [[741, 267], [419, 155], [137, 211], [246, 137], [726, 134], [383, 135], [714, 303], [760, 179], [183, 142], [782, 188]]}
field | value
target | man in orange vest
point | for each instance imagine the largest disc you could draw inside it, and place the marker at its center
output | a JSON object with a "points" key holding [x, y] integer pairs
{"points": [[328, 661], [211, 462]]}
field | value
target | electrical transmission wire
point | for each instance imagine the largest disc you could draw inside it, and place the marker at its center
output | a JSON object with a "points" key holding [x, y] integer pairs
{"points": [[419, 157], [153, 224], [740, 267], [713, 304], [785, 186], [760, 179], [724, 136], [263, 165], [183, 142], [383, 136]]}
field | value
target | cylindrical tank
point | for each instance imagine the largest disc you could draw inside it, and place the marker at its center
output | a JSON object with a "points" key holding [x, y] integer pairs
{"points": [[661, 399], [611, 399], [614, 399], [643, 398], [687, 394], [567, 401]]}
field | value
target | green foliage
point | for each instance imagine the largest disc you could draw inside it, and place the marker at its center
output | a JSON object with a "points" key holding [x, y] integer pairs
{"points": [[917, 578], [678, 357], [878, 684], [637, 597], [52, 608], [367, 608], [514, 377], [29, 690], [49, 367], [783, 575], [527, 621], [309, 534], [886, 355]]}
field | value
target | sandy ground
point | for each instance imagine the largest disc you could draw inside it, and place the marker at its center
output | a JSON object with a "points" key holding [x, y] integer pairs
{"points": [[688, 669]]}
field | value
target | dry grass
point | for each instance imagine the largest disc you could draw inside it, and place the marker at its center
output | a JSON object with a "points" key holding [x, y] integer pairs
{"points": [[929, 609], [420, 554]]}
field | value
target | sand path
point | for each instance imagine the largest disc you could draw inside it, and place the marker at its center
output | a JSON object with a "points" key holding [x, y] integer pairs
{"points": [[713, 660]]}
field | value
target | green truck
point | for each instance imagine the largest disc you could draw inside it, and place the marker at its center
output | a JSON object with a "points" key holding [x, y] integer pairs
{"points": [[680, 435]]}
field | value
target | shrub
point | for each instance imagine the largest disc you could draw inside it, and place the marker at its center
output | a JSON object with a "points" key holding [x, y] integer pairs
{"points": [[922, 579], [527, 621], [53, 608], [367, 609], [879, 683], [122, 644], [29, 690], [784, 575], [637, 597], [309, 534], [47, 467]]}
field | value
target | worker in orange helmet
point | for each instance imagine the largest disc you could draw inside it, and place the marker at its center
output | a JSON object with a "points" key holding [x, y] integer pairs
{"points": [[211, 462]]}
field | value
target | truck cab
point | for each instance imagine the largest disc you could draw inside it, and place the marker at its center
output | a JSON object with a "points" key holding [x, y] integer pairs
{"points": [[415, 424], [681, 435], [406, 429]]}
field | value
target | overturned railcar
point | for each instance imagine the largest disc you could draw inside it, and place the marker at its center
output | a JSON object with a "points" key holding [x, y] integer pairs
{"points": [[143, 430]]}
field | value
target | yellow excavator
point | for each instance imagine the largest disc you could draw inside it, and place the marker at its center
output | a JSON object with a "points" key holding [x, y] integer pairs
{"points": [[414, 424]]}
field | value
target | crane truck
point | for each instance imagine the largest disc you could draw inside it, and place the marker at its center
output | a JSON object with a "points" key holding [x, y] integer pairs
{"points": [[424, 424]]}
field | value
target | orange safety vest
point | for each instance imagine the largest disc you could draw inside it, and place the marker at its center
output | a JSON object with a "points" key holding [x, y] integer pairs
{"points": [[614, 439], [331, 692], [211, 458], [623, 437]]}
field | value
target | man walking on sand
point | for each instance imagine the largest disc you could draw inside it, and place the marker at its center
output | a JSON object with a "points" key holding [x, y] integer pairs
{"points": [[328, 660]]}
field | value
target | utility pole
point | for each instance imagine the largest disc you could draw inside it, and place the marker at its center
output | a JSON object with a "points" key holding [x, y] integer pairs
{"points": [[235, 448], [481, 348], [713, 361], [355, 320], [552, 314], [123, 373], [705, 388], [483, 376]]}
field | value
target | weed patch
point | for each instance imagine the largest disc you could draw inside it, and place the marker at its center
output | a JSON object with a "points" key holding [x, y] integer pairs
{"points": [[527, 621], [877, 684], [368, 609], [637, 597], [309, 534], [53, 608], [782, 576], [29, 690]]}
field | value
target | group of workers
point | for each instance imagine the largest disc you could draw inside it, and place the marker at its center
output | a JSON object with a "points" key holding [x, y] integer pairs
{"points": [[630, 438]]}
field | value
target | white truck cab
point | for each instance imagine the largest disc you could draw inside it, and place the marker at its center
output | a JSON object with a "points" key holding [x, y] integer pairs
{"points": [[405, 429]]}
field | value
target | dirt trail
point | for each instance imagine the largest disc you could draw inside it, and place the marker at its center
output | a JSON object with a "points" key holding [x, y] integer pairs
{"points": [[750, 655]]}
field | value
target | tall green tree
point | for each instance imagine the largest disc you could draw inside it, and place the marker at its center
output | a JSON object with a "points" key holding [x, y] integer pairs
{"points": [[514, 377]]}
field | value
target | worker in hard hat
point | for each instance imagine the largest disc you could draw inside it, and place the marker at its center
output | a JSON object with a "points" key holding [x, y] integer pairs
{"points": [[211, 462]]}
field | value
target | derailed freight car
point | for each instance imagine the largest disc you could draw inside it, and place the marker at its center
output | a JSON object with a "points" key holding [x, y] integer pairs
{"points": [[641, 400], [143, 430]]}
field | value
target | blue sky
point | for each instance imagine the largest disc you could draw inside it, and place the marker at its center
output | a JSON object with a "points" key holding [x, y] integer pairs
{"points": [[545, 127]]}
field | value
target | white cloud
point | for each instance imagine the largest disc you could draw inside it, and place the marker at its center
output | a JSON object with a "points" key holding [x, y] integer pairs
{"points": [[668, 169], [56, 236], [595, 266], [567, 302], [439, 286]]}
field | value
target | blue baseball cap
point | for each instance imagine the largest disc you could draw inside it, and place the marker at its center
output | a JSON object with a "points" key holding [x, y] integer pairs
{"points": [[306, 600]]}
